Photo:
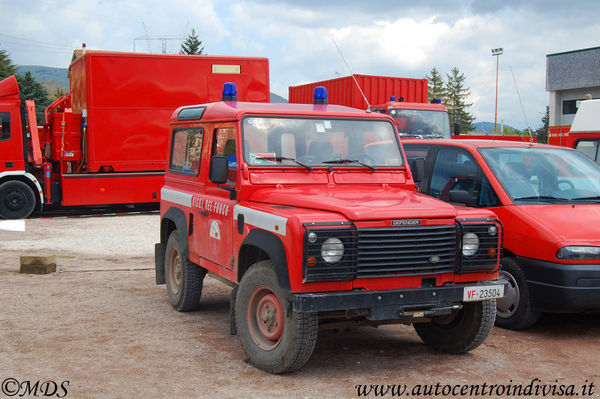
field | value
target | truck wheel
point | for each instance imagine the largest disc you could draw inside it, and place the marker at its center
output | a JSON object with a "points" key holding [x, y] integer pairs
{"points": [[461, 332], [275, 338], [17, 200], [515, 311], [183, 278]]}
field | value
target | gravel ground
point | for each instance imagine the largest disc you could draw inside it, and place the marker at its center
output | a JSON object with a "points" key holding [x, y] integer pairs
{"points": [[101, 327]]}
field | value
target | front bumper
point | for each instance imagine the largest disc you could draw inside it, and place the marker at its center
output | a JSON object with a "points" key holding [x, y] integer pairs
{"points": [[389, 304], [558, 287]]}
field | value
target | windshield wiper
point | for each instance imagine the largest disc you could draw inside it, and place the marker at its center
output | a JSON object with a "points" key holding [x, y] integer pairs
{"points": [[345, 161], [544, 198], [592, 198], [279, 159]]}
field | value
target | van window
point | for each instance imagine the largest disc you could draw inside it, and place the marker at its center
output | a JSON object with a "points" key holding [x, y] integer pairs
{"points": [[186, 151]]}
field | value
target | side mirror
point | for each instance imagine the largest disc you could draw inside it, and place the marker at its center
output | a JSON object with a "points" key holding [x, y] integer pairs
{"points": [[457, 129], [418, 169], [218, 170], [460, 197]]}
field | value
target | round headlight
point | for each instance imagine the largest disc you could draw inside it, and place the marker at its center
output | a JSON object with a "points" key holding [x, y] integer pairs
{"points": [[332, 250], [312, 237], [470, 244]]}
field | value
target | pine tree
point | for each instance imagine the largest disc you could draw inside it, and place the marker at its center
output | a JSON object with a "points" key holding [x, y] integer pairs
{"points": [[7, 68], [33, 90], [192, 45], [457, 95], [542, 132], [435, 86]]}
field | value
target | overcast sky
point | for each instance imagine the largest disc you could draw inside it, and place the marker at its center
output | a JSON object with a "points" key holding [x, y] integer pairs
{"points": [[377, 37]]}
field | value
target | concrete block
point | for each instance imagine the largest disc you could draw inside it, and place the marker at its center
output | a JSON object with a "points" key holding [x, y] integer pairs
{"points": [[37, 264]]}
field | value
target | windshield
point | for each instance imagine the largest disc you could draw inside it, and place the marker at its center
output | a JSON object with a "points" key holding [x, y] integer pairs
{"points": [[298, 142], [545, 175], [421, 123]]}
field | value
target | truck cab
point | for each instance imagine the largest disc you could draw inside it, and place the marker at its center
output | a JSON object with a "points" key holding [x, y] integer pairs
{"points": [[418, 120], [20, 190], [548, 200], [309, 213], [584, 133]]}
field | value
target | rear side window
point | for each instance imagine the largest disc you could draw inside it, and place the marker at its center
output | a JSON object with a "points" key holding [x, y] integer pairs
{"points": [[186, 151], [5, 120]]}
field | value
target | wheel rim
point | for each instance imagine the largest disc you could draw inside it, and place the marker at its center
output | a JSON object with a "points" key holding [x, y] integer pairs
{"points": [[175, 271], [15, 200], [265, 318], [507, 306]]}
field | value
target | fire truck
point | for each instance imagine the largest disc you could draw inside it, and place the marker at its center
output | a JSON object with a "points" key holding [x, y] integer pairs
{"points": [[584, 133], [404, 99], [105, 142], [309, 212]]}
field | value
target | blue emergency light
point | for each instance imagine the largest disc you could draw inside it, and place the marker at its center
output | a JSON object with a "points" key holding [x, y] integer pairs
{"points": [[392, 98], [229, 92], [320, 96], [436, 101]]}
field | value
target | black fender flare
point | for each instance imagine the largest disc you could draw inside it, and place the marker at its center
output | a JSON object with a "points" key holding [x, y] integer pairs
{"points": [[178, 218], [275, 250]]}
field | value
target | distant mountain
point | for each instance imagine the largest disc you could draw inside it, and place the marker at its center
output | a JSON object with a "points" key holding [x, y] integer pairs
{"points": [[488, 127], [47, 74], [277, 99]]}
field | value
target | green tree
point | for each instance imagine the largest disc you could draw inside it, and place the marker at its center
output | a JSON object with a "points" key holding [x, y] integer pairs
{"points": [[7, 67], [435, 86], [192, 45], [457, 95], [542, 132], [33, 90]]}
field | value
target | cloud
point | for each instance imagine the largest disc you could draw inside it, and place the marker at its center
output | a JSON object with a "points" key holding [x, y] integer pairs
{"points": [[379, 37]]}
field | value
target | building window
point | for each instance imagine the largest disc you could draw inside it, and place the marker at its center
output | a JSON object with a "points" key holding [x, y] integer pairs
{"points": [[570, 106]]}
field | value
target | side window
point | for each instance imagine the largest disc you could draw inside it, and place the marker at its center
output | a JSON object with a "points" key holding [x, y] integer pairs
{"points": [[5, 130], [589, 148], [415, 152], [186, 151], [456, 170], [224, 144]]}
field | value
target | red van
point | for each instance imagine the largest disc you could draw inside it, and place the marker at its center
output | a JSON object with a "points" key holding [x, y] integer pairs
{"points": [[548, 200]]}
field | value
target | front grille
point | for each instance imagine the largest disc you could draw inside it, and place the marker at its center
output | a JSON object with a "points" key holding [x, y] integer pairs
{"points": [[401, 251]]}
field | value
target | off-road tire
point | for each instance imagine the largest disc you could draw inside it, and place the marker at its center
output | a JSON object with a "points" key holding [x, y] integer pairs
{"points": [[17, 200], [515, 311], [183, 278], [259, 301], [461, 332]]}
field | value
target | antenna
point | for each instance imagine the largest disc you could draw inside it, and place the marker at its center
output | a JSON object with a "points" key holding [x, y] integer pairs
{"points": [[521, 102], [353, 77]]}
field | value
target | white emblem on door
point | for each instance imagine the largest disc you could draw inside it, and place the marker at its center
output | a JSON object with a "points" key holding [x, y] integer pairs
{"points": [[215, 232]]}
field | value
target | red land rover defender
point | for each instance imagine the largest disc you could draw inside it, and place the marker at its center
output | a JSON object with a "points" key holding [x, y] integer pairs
{"points": [[310, 213]]}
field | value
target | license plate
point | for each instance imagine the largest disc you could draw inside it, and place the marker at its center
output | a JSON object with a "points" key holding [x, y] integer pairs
{"points": [[481, 293]]}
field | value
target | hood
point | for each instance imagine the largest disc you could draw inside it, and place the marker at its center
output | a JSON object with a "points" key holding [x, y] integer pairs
{"points": [[366, 203], [570, 223]]}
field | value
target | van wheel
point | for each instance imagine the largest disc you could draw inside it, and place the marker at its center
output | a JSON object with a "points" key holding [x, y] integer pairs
{"points": [[515, 311], [462, 331], [183, 278], [17, 200], [275, 338]]}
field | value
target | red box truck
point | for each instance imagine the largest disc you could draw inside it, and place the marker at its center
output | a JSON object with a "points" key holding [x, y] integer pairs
{"points": [[105, 142], [404, 99]]}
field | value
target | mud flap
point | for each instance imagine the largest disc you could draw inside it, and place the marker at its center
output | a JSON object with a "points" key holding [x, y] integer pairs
{"points": [[232, 325], [159, 262]]}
